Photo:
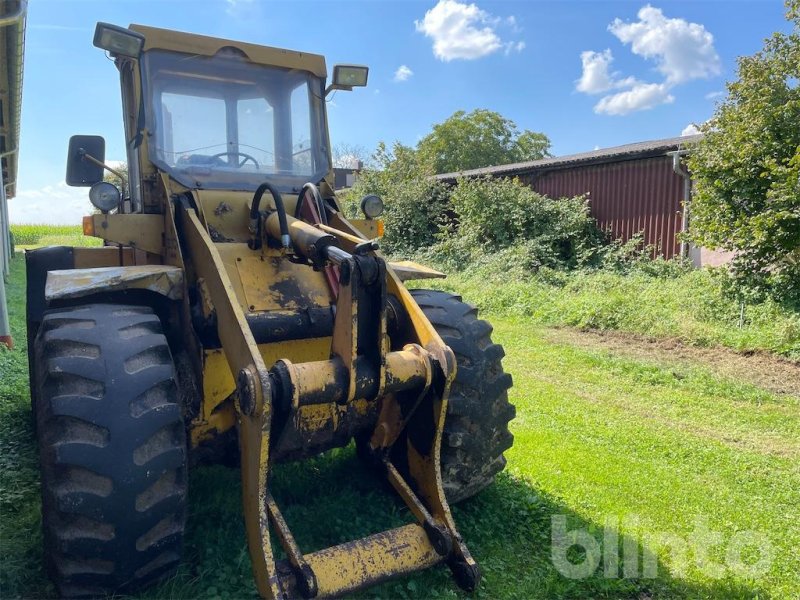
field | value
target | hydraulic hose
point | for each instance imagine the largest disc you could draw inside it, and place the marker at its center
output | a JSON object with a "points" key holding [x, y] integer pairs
{"points": [[254, 210], [317, 199]]}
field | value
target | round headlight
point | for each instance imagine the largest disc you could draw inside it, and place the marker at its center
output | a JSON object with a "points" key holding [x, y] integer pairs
{"points": [[372, 206], [104, 196]]}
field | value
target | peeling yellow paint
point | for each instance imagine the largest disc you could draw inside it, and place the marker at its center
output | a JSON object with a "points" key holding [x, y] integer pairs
{"points": [[74, 283]]}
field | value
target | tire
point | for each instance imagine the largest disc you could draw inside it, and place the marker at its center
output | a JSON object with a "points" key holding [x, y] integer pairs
{"points": [[112, 448], [478, 412]]}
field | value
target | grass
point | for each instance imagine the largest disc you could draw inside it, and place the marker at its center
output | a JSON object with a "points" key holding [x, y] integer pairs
{"points": [[31, 235], [600, 438], [689, 305]]}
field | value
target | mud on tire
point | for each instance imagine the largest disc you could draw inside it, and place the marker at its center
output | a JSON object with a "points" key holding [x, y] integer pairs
{"points": [[476, 429], [112, 448]]}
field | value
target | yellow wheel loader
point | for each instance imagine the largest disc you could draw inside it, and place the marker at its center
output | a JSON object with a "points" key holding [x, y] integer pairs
{"points": [[232, 301]]}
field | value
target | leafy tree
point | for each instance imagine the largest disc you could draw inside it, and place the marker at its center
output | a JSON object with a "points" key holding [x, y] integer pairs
{"points": [[346, 156], [531, 145], [414, 203], [747, 170], [120, 167], [481, 138]]}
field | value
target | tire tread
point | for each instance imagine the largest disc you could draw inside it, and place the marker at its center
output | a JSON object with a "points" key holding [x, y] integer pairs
{"points": [[107, 395]]}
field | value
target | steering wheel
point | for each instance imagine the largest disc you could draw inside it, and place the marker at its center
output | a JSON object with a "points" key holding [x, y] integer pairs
{"points": [[239, 164]]}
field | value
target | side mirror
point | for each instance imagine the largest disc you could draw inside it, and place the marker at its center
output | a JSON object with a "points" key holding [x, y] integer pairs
{"points": [[346, 77], [85, 160]]}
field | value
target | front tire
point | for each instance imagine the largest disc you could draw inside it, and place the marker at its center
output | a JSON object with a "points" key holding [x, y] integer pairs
{"points": [[478, 412], [112, 448]]}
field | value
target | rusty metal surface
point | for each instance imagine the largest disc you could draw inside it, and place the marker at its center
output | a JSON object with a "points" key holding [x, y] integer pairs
{"points": [[276, 283], [361, 563], [247, 367], [75, 283], [627, 197]]}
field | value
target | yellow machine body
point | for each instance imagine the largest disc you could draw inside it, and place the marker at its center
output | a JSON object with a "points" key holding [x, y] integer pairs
{"points": [[288, 344]]}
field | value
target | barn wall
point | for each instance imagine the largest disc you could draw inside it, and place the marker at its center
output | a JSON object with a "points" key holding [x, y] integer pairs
{"points": [[626, 197]]}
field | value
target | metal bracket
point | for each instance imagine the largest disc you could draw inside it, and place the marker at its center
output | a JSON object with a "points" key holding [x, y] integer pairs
{"points": [[361, 305]]}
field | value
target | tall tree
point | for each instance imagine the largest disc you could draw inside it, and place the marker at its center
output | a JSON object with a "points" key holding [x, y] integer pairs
{"points": [[481, 138], [747, 169], [348, 156]]}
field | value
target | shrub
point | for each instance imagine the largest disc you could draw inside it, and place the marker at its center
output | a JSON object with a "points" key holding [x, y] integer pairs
{"points": [[534, 231], [414, 202]]}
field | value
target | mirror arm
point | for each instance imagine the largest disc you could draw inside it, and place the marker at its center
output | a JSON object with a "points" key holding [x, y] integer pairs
{"points": [[86, 156]]}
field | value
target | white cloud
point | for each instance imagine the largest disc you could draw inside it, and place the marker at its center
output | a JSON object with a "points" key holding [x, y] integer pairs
{"points": [[513, 47], [690, 129], [714, 95], [683, 51], [464, 31], [53, 204], [403, 73], [512, 22], [641, 96], [596, 77]]}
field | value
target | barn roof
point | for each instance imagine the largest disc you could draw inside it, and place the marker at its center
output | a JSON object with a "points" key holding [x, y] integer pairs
{"points": [[604, 155]]}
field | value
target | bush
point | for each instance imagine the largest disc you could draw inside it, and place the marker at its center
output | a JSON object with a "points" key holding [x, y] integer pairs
{"points": [[493, 215], [414, 202]]}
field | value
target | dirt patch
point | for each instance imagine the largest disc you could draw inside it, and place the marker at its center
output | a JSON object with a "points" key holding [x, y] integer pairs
{"points": [[767, 371]]}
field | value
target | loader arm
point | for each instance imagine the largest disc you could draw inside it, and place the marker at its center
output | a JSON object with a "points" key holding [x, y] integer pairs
{"points": [[410, 385]]}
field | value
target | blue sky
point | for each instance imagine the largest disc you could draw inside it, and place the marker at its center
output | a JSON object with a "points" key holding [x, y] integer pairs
{"points": [[588, 74]]}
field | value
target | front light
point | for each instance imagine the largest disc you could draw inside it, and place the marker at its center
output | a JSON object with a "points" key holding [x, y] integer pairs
{"points": [[372, 206], [105, 196]]}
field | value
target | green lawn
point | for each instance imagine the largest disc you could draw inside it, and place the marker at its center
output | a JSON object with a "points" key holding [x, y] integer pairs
{"points": [[33, 235], [600, 438]]}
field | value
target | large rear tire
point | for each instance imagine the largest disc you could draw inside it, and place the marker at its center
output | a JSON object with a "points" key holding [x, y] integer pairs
{"points": [[478, 412], [112, 449]]}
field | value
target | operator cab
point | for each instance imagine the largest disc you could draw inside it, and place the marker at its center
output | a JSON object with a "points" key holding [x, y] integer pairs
{"points": [[223, 122], [214, 114]]}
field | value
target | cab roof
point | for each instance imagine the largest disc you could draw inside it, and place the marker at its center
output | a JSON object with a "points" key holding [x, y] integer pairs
{"points": [[190, 43]]}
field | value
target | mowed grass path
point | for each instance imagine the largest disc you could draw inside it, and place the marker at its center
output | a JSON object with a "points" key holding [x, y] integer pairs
{"points": [[599, 438]]}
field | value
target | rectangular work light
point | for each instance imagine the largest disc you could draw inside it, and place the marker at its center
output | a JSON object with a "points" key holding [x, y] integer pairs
{"points": [[349, 76], [118, 40]]}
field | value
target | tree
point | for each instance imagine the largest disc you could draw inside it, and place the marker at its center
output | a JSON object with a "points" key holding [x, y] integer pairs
{"points": [[347, 156], [120, 167], [414, 201], [481, 138], [747, 170]]}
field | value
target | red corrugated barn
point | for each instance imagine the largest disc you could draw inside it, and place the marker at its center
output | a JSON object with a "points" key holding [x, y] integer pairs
{"points": [[632, 188]]}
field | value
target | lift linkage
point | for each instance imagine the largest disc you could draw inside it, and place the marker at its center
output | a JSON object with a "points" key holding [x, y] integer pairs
{"points": [[410, 383]]}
